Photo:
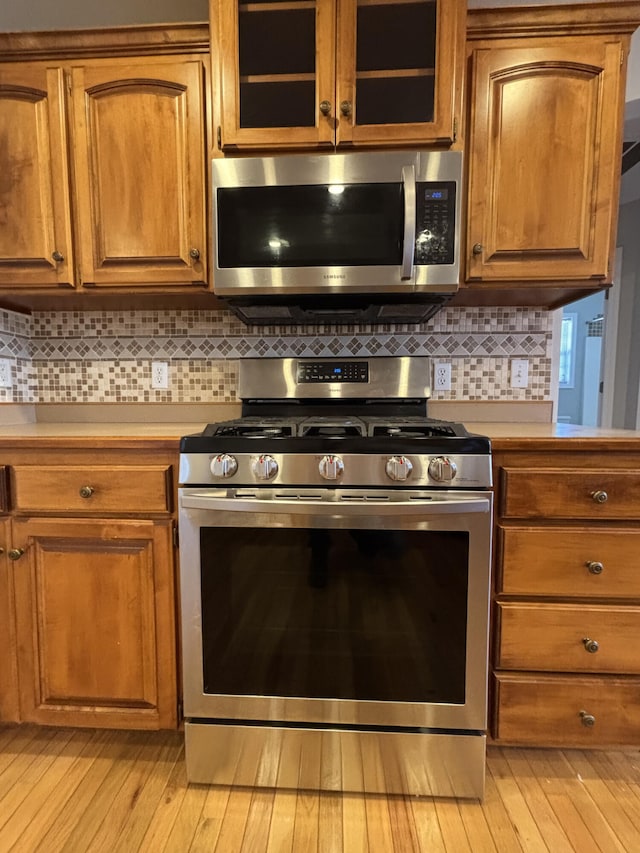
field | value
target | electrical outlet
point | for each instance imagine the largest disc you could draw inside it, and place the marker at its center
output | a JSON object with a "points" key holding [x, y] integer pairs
{"points": [[159, 375], [6, 380], [519, 372], [442, 377]]}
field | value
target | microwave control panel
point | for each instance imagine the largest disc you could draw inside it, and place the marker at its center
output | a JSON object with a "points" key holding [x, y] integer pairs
{"points": [[435, 222]]}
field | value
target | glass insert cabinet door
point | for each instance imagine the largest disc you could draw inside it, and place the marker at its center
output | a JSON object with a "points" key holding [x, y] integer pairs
{"points": [[312, 73]]}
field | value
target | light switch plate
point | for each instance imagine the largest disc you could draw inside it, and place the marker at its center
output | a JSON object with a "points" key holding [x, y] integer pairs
{"points": [[6, 379], [519, 372]]}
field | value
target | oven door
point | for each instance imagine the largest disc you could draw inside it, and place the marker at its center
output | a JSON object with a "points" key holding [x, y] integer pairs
{"points": [[347, 607]]}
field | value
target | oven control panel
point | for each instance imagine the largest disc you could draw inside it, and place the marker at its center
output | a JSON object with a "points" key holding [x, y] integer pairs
{"points": [[332, 371]]}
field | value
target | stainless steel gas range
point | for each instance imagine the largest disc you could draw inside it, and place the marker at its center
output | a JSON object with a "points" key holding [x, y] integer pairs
{"points": [[334, 559]]}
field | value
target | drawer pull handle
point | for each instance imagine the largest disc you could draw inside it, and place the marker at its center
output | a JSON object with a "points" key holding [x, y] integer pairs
{"points": [[86, 491], [15, 553], [600, 497], [595, 567], [591, 646], [588, 720]]}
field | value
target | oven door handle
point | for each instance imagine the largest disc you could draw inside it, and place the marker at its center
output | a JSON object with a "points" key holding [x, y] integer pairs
{"points": [[350, 507]]}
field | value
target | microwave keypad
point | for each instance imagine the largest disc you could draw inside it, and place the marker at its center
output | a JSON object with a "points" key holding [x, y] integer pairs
{"points": [[435, 222]]}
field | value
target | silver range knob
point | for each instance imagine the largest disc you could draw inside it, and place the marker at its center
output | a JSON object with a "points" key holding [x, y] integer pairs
{"points": [[442, 469], [398, 467], [264, 467], [331, 467], [224, 465]]}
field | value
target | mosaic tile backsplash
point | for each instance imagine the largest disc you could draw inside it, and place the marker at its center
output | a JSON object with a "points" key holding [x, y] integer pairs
{"points": [[106, 357]]}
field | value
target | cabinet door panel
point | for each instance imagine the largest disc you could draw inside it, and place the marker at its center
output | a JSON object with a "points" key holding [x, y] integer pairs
{"points": [[545, 151], [8, 662], [35, 216], [139, 159], [276, 63], [95, 622], [397, 66]]}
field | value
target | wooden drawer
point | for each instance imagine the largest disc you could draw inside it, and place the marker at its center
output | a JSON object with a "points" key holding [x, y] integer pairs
{"points": [[569, 493], [546, 710], [550, 637], [556, 561], [108, 489]]}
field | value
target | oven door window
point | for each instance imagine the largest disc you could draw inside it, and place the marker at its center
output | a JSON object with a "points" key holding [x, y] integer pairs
{"points": [[335, 614], [307, 226]]}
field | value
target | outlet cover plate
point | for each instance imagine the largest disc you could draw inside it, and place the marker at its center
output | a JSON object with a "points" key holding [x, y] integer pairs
{"points": [[442, 376], [159, 375], [519, 372]]}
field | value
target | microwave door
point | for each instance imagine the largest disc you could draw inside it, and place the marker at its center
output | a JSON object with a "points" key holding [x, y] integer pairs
{"points": [[336, 224]]}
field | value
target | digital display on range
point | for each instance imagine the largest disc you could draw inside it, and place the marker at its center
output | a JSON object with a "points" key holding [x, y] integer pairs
{"points": [[330, 371], [436, 195]]}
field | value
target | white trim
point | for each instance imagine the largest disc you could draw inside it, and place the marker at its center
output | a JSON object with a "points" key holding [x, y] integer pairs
{"points": [[609, 345]]}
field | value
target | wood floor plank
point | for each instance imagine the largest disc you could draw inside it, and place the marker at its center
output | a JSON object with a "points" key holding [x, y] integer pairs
{"points": [[545, 817], [514, 803], [146, 796], [283, 818], [453, 832], [609, 772], [256, 834], [23, 753], [544, 765], [503, 828], [77, 822], [33, 816], [427, 825], [330, 818], [166, 812], [475, 824], [23, 774], [616, 818]]}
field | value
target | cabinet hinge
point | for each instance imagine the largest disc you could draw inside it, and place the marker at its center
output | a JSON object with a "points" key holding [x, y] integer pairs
{"points": [[219, 137], [455, 128], [176, 537], [180, 710], [622, 56], [67, 77]]}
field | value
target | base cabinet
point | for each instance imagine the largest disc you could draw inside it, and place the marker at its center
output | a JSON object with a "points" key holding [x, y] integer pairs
{"points": [[93, 601], [566, 613], [87, 589], [9, 703]]}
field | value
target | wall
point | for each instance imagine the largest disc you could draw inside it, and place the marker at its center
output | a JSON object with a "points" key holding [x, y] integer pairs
{"points": [[100, 357], [625, 400], [75, 14]]}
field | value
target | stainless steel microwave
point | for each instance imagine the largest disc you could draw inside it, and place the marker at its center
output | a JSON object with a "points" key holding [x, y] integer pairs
{"points": [[367, 237]]}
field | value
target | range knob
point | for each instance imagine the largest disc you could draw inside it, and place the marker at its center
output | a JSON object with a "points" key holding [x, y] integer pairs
{"points": [[398, 467], [224, 465], [264, 467], [331, 467], [442, 469]]}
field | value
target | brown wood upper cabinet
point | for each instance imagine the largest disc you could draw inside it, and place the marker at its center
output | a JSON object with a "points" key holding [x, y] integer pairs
{"points": [[544, 144], [315, 73], [102, 181], [544, 158]]}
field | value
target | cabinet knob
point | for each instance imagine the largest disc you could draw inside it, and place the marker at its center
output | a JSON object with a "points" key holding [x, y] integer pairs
{"points": [[57, 256], [325, 107], [588, 720], [86, 491], [346, 108], [594, 567], [600, 497], [478, 248], [1, 550], [591, 646], [195, 254], [15, 553]]}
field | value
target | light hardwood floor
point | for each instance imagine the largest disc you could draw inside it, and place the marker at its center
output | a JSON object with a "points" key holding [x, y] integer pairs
{"points": [[91, 790]]}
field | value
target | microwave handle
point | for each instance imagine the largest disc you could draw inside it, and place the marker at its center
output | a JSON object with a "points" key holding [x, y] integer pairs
{"points": [[408, 247]]}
